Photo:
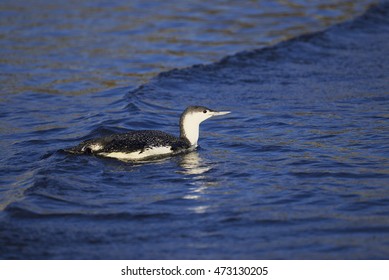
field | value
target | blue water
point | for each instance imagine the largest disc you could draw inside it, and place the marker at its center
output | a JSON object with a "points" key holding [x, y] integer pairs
{"points": [[298, 170]]}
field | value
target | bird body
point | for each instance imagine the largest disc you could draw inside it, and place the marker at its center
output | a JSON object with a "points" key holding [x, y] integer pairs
{"points": [[146, 144]]}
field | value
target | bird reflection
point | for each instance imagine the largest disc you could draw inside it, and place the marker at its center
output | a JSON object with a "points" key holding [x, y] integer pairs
{"points": [[192, 164]]}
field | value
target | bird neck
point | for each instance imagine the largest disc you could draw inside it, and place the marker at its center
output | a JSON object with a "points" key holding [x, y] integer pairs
{"points": [[189, 130]]}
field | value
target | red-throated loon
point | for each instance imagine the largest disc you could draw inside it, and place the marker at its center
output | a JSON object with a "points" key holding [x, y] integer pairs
{"points": [[146, 144]]}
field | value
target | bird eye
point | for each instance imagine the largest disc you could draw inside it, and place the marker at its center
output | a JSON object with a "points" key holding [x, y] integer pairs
{"points": [[205, 111]]}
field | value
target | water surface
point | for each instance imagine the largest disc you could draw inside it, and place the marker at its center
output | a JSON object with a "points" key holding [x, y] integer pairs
{"points": [[299, 170]]}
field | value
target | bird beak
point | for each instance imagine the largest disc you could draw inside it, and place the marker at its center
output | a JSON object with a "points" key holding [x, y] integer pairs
{"points": [[221, 113]]}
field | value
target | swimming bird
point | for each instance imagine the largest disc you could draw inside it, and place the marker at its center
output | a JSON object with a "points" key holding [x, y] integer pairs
{"points": [[146, 144]]}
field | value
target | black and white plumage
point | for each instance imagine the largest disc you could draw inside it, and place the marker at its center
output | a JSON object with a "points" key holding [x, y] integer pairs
{"points": [[146, 144]]}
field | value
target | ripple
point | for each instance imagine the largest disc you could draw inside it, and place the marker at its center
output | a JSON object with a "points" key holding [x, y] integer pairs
{"points": [[297, 170]]}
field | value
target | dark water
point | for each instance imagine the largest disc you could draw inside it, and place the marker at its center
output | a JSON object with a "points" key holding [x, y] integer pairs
{"points": [[299, 170]]}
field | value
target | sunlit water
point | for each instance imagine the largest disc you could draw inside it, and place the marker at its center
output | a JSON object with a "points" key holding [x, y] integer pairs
{"points": [[299, 169]]}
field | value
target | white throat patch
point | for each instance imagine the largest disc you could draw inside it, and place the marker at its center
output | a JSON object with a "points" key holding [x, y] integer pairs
{"points": [[191, 126]]}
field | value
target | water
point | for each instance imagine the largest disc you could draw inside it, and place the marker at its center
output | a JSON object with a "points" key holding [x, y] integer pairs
{"points": [[299, 169], [77, 47]]}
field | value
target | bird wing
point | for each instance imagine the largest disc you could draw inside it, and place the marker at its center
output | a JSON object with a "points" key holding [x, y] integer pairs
{"points": [[136, 141], [132, 141]]}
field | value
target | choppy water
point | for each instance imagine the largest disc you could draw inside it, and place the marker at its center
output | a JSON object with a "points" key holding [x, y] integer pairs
{"points": [[300, 169]]}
